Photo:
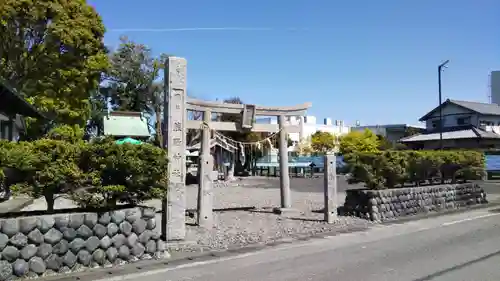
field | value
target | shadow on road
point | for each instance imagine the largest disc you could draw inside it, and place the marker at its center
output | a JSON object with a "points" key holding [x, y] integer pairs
{"points": [[306, 184], [305, 219], [495, 210], [490, 187], [437, 275]]}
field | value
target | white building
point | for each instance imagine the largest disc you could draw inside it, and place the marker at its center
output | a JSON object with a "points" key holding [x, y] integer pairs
{"points": [[308, 126], [495, 87]]}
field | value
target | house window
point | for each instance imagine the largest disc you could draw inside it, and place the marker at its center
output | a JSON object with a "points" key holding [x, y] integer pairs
{"points": [[463, 121], [435, 123], [486, 123], [4, 130]]}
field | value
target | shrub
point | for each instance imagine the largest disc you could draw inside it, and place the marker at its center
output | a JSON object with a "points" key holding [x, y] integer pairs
{"points": [[123, 173], [53, 169], [358, 141], [67, 133], [390, 169], [323, 142], [96, 174], [16, 162]]}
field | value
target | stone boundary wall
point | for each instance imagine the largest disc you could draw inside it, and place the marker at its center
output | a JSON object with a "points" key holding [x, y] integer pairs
{"points": [[390, 204], [62, 243]]}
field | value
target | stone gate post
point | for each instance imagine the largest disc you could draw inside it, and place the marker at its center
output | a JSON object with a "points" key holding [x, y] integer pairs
{"points": [[174, 208], [330, 188]]}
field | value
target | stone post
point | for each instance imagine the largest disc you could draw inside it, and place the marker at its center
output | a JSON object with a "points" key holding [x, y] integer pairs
{"points": [[232, 165], [174, 208], [330, 188], [205, 185], [283, 153]]}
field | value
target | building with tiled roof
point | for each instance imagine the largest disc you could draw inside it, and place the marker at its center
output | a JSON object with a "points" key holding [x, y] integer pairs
{"points": [[466, 124]]}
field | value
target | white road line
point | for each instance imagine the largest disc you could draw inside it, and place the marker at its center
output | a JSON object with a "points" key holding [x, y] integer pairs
{"points": [[469, 219], [194, 264], [280, 248]]}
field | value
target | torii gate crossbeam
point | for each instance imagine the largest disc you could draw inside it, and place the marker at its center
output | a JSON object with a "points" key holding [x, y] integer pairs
{"points": [[177, 105]]}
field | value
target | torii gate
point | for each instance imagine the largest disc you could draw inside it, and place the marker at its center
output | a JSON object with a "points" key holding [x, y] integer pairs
{"points": [[173, 225]]}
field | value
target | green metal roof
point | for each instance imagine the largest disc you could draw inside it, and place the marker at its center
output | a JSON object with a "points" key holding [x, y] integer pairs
{"points": [[121, 124]]}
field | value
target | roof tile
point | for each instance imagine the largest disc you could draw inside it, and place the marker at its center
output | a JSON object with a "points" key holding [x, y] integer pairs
{"points": [[480, 107]]}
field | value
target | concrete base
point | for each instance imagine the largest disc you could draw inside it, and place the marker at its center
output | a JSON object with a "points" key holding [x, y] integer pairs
{"points": [[333, 219], [179, 244], [285, 211]]}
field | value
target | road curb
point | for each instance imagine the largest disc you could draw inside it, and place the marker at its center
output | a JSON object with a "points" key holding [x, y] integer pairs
{"points": [[190, 257], [261, 246], [184, 258], [442, 213]]}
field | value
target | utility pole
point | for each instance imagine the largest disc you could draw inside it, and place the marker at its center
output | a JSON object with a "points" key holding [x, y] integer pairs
{"points": [[440, 69]]}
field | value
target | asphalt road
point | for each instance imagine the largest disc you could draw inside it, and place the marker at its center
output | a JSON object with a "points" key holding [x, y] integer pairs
{"points": [[455, 247]]}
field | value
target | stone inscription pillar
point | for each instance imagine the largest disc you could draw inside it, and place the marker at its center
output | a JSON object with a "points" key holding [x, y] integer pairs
{"points": [[174, 209], [286, 201], [330, 188]]}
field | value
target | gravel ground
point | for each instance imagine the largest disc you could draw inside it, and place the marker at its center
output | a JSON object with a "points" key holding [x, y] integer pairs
{"points": [[236, 226]]}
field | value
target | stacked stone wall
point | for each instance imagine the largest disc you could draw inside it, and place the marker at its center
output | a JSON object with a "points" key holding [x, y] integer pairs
{"points": [[62, 243], [390, 204]]}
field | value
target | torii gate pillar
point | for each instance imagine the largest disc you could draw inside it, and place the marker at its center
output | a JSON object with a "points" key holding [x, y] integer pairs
{"points": [[283, 154]]}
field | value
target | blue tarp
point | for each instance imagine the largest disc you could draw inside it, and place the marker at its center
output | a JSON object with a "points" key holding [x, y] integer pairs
{"points": [[300, 161], [492, 162]]}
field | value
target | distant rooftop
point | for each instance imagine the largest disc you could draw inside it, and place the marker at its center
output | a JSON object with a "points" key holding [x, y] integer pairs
{"points": [[388, 126], [467, 133], [478, 107]]}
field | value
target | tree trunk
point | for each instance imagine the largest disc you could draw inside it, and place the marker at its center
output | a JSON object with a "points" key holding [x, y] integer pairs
{"points": [[50, 202], [159, 132]]}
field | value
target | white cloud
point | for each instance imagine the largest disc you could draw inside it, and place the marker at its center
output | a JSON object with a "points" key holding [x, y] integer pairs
{"points": [[200, 29]]}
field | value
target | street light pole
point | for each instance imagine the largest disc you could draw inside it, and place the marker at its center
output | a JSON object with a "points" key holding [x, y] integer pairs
{"points": [[440, 69]]}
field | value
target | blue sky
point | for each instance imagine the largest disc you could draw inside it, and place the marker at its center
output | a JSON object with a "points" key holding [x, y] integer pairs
{"points": [[373, 61]]}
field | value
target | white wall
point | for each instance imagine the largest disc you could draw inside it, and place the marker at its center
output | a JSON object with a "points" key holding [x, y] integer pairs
{"points": [[450, 114], [451, 120], [308, 126]]}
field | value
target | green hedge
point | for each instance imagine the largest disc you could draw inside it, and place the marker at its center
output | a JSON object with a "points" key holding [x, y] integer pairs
{"points": [[392, 169], [98, 174]]}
